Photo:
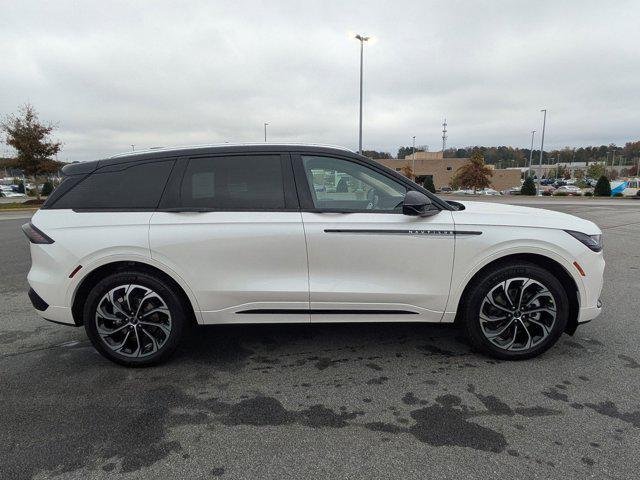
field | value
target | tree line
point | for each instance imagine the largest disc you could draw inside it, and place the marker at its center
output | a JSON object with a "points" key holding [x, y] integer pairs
{"points": [[505, 157]]}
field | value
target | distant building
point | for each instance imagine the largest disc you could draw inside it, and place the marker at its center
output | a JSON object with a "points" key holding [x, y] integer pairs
{"points": [[442, 170], [571, 167]]}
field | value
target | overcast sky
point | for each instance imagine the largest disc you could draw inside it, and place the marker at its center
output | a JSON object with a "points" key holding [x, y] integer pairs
{"points": [[155, 73]]}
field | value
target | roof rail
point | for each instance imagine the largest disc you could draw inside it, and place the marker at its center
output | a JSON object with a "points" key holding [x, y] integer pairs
{"points": [[212, 145]]}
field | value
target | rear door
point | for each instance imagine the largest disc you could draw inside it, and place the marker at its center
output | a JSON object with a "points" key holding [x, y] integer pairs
{"points": [[368, 261], [230, 226]]}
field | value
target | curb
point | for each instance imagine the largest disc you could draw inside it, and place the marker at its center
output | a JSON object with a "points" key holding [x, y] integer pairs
{"points": [[9, 210]]}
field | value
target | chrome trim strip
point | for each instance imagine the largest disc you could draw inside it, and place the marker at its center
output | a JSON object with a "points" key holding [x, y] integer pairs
{"points": [[415, 232]]}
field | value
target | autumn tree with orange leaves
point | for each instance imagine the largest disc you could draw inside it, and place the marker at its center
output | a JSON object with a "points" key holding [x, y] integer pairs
{"points": [[474, 174]]}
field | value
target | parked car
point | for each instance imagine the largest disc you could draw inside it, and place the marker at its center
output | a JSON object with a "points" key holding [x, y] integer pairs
{"points": [[591, 182], [488, 191], [446, 190], [568, 190], [547, 190], [139, 247], [463, 192], [12, 194], [512, 191]]}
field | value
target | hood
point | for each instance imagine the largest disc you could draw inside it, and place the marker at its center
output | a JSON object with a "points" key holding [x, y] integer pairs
{"points": [[485, 213]]}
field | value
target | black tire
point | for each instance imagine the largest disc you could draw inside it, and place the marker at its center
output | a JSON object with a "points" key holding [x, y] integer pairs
{"points": [[474, 301], [166, 342]]}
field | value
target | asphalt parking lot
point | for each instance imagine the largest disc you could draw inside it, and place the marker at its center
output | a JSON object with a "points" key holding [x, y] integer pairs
{"points": [[326, 401]]}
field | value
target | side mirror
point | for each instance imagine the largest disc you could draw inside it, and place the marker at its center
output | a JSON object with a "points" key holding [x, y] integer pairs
{"points": [[417, 204]]}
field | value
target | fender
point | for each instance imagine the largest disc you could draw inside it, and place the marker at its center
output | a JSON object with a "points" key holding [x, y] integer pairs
{"points": [[105, 260], [457, 287]]}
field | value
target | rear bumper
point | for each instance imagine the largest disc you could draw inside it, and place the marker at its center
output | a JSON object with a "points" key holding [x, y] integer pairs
{"points": [[53, 314], [37, 301]]}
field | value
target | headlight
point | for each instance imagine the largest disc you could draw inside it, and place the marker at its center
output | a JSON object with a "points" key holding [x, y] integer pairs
{"points": [[593, 242]]}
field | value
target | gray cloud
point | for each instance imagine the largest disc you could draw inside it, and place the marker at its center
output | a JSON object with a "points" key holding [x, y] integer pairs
{"points": [[156, 73]]}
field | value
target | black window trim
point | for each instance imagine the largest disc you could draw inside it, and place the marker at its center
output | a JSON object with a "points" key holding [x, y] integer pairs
{"points": [[304, 191], [170, 201]]}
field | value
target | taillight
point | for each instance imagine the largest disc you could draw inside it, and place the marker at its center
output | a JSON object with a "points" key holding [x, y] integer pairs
{"points": [[34, 234]]}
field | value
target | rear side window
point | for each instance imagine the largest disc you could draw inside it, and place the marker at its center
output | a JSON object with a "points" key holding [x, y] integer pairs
{"points": [[138, 187], [252, 182]]}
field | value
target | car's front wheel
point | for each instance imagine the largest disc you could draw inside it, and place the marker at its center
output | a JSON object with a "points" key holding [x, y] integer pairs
{"points": [[134, 319], [515, 311]]}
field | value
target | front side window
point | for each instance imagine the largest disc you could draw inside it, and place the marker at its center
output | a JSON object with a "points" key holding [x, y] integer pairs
{"points": [[252, 182], [341, 185]]}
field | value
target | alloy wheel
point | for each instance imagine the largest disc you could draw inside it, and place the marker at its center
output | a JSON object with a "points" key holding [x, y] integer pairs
{"points": [[518, 314], [133, 321]]}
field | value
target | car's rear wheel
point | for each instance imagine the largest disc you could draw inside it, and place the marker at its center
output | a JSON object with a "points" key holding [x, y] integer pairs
{"points": [[134, 319], [515, 311]]}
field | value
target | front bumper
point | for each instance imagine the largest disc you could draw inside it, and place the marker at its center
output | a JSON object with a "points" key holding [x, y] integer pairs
{"points": [[587, 314]]}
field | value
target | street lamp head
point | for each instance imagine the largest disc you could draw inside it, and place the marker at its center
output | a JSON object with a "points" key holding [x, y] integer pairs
{"points": [[362, 38]]}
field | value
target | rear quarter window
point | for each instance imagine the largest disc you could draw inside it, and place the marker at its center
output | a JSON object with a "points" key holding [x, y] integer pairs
{"points": [[134, 187]]}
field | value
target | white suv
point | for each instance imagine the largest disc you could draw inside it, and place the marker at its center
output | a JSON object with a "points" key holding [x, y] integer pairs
{"points": [[138, 247]]}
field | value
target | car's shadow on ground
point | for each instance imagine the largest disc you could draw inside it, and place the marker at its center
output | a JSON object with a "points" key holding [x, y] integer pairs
{"points": [[228, 345]]}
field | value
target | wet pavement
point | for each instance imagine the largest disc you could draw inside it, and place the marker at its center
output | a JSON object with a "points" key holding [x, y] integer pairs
{"points": [[326, 401]]}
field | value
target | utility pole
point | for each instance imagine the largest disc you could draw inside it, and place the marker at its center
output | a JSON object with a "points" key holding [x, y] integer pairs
{"points": [[544, 124], [444, 136], [265, 132], [133, 147], [362, 39], [533, 132], [413, 156]]}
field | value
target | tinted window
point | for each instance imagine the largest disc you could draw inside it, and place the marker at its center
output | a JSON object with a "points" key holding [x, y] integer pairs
{"points": [[139, 186], [234, 182], [341, 185]]}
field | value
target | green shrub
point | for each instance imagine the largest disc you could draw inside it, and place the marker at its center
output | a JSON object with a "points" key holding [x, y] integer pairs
{"points": [[528, 187], [603, 187], [428, 184], [47, 188]]}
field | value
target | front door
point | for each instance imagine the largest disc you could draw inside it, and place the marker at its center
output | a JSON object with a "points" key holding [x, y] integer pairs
{"points": [[231, 229], [368, 261]]}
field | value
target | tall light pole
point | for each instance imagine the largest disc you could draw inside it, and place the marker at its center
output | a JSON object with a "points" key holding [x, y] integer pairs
{"points": [[133, 147], [265, 131], [544, 124], [413, 156], [362, 39], [533, 133]]}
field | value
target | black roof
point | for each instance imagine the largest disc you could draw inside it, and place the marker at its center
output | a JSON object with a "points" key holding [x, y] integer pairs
{"points": [[82, 168]]}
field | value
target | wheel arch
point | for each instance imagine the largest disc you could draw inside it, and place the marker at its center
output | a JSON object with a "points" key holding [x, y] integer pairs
{"points": [[92, 278], [549, 264]]}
